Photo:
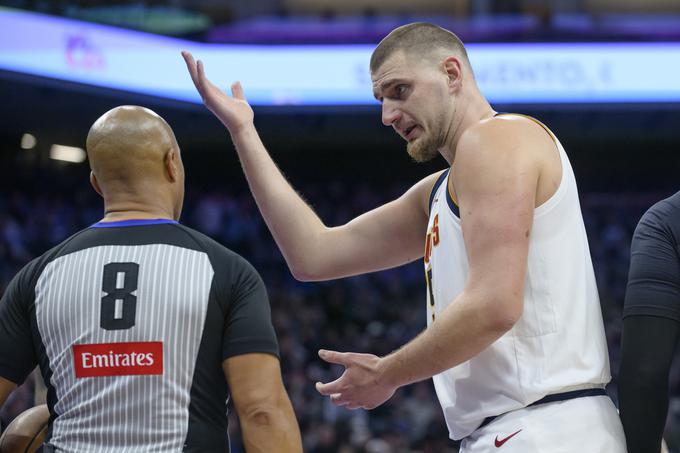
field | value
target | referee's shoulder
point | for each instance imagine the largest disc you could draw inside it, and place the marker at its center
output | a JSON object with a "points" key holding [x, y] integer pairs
{"points": [[31, 271], [229, 267], [210, 245]]}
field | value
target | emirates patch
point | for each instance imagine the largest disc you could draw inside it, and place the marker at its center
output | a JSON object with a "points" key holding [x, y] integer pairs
{"points": [[118, 359]]}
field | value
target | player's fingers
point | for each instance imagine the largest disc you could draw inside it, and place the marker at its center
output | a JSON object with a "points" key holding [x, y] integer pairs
{"points": [[338, 399], [329, 388], [191, 66], [205, 84], [200, 72], [237, 91], [340, 358]]}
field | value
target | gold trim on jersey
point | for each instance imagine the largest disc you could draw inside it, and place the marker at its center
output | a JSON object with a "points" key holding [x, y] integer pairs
{"points": [[545, 128]]}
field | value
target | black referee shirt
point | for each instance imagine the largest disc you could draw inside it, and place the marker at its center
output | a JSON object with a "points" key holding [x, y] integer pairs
{"points": [[130, 322]]}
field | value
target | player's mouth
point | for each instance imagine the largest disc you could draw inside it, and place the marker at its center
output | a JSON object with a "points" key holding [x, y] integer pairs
{"points": [[411, 132]]}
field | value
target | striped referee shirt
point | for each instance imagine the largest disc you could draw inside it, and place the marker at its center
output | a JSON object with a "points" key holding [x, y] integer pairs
{"points": [[130, 322]]}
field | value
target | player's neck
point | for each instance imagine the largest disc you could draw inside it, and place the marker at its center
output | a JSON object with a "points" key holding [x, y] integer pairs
{"points": [[473, 111]]}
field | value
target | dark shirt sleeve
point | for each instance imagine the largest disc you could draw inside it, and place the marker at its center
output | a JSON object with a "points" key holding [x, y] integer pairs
{"points": [[654, 275], [647, 348], [650, 329], [17, 356], [248, 327]]}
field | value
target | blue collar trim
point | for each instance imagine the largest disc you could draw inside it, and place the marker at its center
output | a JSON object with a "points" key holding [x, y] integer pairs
{"points": [[132, 222]]}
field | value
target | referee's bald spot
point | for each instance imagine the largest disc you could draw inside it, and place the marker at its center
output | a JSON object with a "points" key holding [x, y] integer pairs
{"points": [[128, 144]]}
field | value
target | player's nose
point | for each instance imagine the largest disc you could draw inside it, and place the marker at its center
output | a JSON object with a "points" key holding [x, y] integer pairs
{"points": [[389, 113]]}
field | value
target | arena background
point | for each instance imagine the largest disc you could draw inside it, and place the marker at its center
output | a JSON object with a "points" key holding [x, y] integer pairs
{"points": [[626, 156]]}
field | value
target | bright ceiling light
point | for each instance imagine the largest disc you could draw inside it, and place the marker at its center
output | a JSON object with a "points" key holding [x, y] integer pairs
{"points": [[28, 141], [67, 153]]}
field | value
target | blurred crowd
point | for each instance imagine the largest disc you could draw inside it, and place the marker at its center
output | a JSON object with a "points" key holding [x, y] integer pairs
{"points": [[375, 313]]}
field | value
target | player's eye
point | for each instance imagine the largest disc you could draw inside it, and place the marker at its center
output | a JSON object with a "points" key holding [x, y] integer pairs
{"points": [[400, 90]]}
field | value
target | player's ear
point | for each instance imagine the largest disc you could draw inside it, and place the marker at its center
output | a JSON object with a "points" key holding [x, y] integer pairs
{"points": [[95, 184], [172, 164], [454, 70]]}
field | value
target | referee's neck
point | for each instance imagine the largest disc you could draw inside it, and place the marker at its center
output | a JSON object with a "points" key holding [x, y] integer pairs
{"points": [[117, 216]]}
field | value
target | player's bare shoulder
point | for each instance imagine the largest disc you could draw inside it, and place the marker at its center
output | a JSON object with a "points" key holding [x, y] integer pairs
{"points": [[506, 142], [503, 134], [543, 148]]}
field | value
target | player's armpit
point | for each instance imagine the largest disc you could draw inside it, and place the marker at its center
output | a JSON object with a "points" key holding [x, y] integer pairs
{"points": [[388, 236], [264, 410], [6, 387]]}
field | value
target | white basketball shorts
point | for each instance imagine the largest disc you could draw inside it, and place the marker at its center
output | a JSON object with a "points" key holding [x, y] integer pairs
{"points": [[580, 425]]}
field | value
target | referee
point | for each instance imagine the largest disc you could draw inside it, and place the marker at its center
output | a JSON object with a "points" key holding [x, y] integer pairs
{"points": [[651, 325], [143, 328]]}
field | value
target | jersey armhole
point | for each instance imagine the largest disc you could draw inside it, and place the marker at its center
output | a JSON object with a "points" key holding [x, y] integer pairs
{"points": [[436, 186]]}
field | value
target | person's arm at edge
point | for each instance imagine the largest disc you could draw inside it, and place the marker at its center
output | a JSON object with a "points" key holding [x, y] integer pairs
{"points": [[264, 410], [651, 327], [647, 349], [388, 236]]}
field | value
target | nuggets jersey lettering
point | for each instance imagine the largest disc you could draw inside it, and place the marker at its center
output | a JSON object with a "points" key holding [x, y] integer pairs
{"points": [[557, 345]]}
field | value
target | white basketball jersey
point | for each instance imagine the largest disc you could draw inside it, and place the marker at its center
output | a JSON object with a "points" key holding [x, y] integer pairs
{"points": [[557, 345]]}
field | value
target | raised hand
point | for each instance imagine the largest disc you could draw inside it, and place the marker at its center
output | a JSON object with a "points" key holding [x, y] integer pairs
{"points": [[233, 111], [361, 385]]}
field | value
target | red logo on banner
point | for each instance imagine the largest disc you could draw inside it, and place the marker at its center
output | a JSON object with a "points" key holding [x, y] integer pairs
{"points": [[118, 359]]}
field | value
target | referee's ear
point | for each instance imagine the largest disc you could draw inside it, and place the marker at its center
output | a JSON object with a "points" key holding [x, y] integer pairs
{"points": [[172, 164], [95, 184]]}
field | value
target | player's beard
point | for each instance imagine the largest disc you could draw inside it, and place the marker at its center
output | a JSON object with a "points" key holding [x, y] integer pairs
{"points": [[426, 147]]}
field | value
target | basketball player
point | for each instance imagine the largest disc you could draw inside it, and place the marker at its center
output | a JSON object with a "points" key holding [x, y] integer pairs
{"points": [[143, 328], [515, 340], [651, 325]]}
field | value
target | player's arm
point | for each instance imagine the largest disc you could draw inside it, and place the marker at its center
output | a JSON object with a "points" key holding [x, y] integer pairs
{"points": [[385, 237], [264, 410], [496, 181], [651, 330]]}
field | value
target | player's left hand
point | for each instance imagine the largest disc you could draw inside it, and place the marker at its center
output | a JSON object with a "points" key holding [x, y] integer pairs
{"points": [[361, 385]]}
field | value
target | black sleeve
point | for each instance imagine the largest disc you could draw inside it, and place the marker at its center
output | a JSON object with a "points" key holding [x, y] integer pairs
{"points": [[650, 329], [17, 356], [248, 327], [654, 276], [647, 344]]}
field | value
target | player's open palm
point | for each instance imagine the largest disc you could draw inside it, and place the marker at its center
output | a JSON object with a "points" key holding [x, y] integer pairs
{"points": [[234, 111], [360, 385]]}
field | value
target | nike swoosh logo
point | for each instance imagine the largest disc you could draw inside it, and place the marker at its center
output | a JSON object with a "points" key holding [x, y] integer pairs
{"points": [[499, 442]]}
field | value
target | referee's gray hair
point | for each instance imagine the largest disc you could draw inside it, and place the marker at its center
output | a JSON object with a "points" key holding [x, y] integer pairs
{"points": [[418, 38]]}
